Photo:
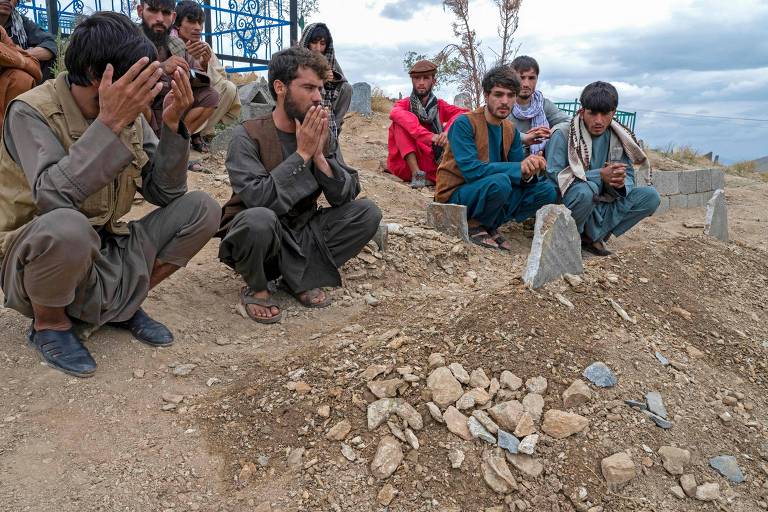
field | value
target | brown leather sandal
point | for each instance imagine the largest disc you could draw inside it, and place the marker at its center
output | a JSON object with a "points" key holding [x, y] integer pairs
{"points": [[246, 298]]}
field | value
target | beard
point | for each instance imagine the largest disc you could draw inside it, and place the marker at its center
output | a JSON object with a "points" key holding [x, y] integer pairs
{"points": [[423, 95], [159, 39], [292, 109], [494, 111]]}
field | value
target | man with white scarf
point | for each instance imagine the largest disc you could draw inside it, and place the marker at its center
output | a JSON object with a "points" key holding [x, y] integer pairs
{"points": [[533, 114], [592, 161]]}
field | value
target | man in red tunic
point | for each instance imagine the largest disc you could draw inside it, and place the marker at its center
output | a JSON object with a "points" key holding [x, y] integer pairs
{"points": [[419, 126]]}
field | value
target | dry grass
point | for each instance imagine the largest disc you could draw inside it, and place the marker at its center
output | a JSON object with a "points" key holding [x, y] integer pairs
{"points": [[747, 169], [379, 101], [685, 155]]}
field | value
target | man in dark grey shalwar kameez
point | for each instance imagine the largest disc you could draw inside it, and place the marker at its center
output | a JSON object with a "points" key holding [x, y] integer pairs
{"points": [[279, 165], [75, 151]]}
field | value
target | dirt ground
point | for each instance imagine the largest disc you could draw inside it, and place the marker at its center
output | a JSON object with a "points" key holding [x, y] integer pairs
{"points": [[246, 434]]}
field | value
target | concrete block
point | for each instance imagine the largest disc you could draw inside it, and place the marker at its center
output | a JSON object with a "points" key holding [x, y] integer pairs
{"points": [[666, 182], [698, 199], [678, 201], [256, 99], [718, 179], [687, 182], [703, 180], [663, 206], [450, 219]]}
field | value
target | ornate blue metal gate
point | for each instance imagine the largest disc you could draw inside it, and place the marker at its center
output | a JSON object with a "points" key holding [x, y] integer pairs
{"points": [[242, 33]]}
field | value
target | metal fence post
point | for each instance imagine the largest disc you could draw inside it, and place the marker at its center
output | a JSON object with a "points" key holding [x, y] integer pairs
{"points": [[52, 10], [294, 22], [208, 24]]}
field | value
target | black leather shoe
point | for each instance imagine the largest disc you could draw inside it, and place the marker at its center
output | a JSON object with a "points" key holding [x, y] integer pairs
{"points": [[63, 351], [146, 330]]}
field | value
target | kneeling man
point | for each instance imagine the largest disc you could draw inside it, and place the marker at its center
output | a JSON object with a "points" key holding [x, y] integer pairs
{"points": [[485, 168], [591, 161], [75, 151], [279, 165]]}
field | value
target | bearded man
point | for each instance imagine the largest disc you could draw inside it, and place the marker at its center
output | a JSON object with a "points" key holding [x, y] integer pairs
{"points": [[485, 167], [534, 114], [279, 165], [157, 17], [417, 134]]}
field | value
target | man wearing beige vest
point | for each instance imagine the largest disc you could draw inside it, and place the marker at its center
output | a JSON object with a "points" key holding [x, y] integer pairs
{"points": [[279, 165], [75, 151], [485, 167]]}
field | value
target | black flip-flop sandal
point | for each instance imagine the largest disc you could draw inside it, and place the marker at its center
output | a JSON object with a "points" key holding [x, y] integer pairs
{"points": [[480, 236], [246, 298], [590, 248]]}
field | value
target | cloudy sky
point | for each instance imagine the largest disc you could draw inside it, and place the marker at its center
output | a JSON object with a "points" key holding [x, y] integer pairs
{"points": [[696, 57]]}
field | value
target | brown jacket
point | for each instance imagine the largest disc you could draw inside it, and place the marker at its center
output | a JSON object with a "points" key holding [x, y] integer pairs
{"points": [[13, 57], [449, 176]]}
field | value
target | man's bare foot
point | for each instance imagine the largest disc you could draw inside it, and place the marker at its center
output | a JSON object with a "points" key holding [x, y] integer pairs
{"points": [[259, 311], [314, 298]]}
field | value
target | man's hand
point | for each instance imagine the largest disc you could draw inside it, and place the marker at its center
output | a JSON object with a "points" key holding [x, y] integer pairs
{"points": [[440, 139], [310, 132], [40, 53], [121, 102], [536, 135], [173, 63], [200, 51], [319, 157], [178, 101], [613, 174], [532, 166], [329, 75]]}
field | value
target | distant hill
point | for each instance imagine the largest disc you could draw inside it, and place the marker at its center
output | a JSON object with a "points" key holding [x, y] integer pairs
{"points": [[761, 164]]}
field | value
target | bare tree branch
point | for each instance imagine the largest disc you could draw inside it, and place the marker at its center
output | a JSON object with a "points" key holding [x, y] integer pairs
{"points": [[508, 15]]}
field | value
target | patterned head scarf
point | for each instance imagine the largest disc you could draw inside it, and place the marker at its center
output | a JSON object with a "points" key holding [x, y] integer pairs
{"points": [[331, 87], [17, 29]]}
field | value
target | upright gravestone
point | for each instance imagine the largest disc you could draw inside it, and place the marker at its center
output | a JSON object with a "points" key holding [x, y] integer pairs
{"points": [[556, 247], [255, 98], [716, 221], [361, 98], [462, 100], [450, 219]]}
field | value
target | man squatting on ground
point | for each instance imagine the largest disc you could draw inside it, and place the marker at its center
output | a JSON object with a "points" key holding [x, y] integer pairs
{"points": [[591, 162], [74, 150], [188, 26], [337, 93], [279, 165], [157, 17], [419, 126], [533, 114], [485, 168]]}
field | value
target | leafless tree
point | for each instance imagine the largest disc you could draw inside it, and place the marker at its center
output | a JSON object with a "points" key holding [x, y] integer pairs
{"points": [[508, 21]]}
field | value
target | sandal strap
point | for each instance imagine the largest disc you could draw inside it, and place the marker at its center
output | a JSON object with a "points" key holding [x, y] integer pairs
{"points": [[247, 298]]}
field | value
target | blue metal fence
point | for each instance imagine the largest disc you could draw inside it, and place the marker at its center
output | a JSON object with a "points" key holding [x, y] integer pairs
{"points": [[243, 34], [626, 118]]}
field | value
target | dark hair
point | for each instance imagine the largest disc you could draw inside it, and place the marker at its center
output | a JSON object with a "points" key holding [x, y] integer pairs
{"points": [[285, 64], [524, 63], [320, 32], [105, 38], [189, 10], [600, 97], [160, 4], [501, 76]]}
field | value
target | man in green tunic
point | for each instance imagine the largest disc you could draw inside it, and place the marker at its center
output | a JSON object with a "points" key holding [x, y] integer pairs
{"points": [[592, 162], [75, 151]]}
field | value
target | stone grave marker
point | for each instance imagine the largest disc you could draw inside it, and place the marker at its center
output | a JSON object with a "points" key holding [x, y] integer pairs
{"points": [[450, 219], [556, 247], [361, 98], [716, 221]]}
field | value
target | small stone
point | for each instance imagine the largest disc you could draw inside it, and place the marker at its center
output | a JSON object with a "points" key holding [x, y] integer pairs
{"points": [[509, 380], [496, 473], [388, 457], [656, 404], [435, 412], [536, 385], [556, 247], [182, 370], [694, 353], [561, 424], [677, 492], [526, 464], [324, 411], [373, 371], [411, 439], [480, 396], [663, 360], [493, 387], [578, 393], [726, 417], [682, 313], [674, 459], [300, 387], [658, 420], [138, 374], [573, 280], [467, 401], [168, 407], [688, 484], [348, 452], [528, 444], [479, 431], [478, 379], [508, 442], [444, 386], [459, 372], [456, 457], [247, 472], [295, 459], [600, 375], [708, 492], [408, 414], [396, 430], [486, 421], [457, 423], [380, 410], [386, 495], [386, 388], [727, 466], [339, 431], [172, 398], [507, 414], [371, 300], [436, 360], [533, 404], [562, 299], [618, 470], [525, 426]]}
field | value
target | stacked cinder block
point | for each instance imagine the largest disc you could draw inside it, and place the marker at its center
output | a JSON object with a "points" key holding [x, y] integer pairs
{"points": [[687, 189]]}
